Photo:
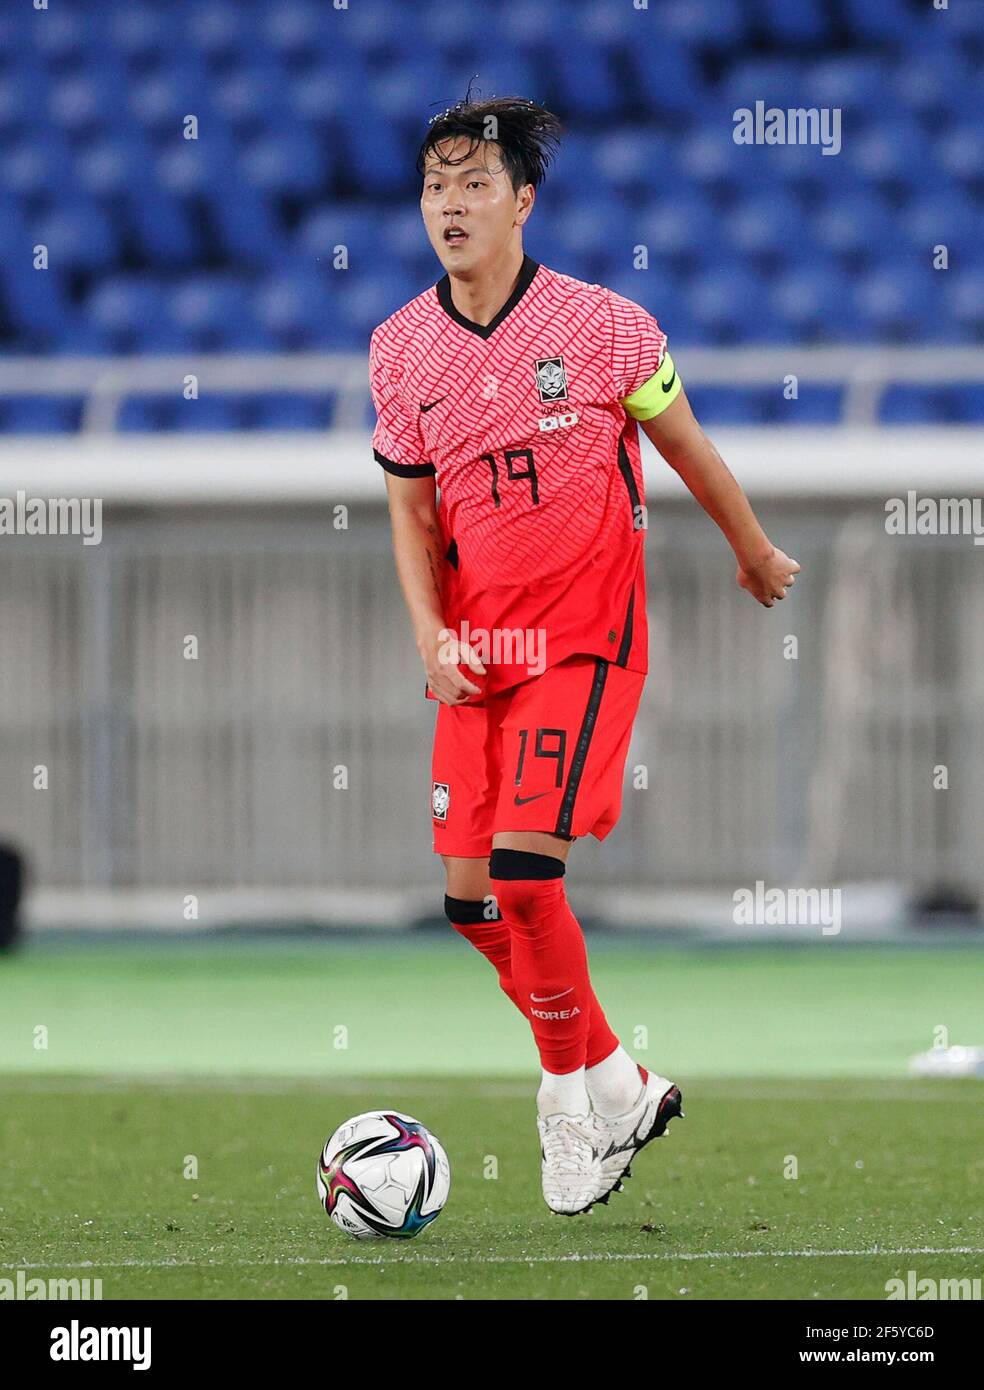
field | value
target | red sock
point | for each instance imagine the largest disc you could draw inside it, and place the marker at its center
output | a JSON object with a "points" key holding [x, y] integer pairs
{"points": [[494, 940], [549, 966]]}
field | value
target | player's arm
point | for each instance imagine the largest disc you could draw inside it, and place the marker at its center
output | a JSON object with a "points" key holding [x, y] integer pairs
{"points": [[663, 411], [420, 560], [411, 490]]}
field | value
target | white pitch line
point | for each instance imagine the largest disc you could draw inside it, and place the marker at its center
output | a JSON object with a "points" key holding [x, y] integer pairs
{"points": [[892, 1090], [451, 1260]]}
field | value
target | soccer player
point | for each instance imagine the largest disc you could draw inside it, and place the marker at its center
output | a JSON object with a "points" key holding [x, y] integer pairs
{"points": [[516, 390]]}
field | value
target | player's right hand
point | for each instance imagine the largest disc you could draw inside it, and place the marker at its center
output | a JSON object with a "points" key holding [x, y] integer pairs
{"points": [[442, 661], [769, 578]]}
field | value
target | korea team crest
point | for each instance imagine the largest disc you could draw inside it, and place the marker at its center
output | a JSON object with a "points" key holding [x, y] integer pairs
{"points": [[440, 800], [551, 378]]}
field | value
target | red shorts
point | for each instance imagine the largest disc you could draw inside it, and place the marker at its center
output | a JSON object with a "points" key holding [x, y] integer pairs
{"points": [[545, 755]]}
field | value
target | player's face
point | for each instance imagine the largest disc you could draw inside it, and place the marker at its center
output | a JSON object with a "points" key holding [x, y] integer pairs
{"points": [[470, 209]]}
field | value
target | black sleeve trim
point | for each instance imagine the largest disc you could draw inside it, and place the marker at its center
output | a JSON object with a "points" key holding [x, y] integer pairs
{"points": [[405, 470]]}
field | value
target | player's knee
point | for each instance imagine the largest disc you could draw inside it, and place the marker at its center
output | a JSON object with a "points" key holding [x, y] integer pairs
{"points": [[471, 912], [479, 921], [491, 936], [525, 884]]}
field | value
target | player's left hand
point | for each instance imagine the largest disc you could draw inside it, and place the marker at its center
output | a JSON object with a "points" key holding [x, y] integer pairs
{"points": [[770, 578]]}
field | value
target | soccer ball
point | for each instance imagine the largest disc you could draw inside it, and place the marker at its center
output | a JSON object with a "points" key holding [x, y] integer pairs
{"points": [[383, 1174]]}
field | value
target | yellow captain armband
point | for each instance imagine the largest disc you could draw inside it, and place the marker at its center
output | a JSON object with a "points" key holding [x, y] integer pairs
{"points": [[654, 395]]}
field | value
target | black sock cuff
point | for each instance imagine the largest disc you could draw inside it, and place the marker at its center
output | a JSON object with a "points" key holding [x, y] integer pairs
{"points": [[468, 912], [521, 863]]}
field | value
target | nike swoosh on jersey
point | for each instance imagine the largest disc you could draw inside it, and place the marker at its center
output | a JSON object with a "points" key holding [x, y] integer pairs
{"points": [[424, 408], [668, 385]]}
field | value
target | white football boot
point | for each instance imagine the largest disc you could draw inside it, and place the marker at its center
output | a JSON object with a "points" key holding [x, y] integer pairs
{"points": [[571, 1170], [620, 1138]]}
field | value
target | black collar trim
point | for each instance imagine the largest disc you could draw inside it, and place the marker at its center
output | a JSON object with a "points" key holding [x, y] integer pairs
{"points": [[485, 330]]}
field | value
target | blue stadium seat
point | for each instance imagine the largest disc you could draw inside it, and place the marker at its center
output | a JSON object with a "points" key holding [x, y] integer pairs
{"points": [[209, 414], [385, 164], [138, 32], [930, 82], [292, 28], [79, 236], [566, 176], [776, 81], [284, 165], [895, 305], [161, 100], [724, 303], [63, 33], [130, 314], [288, 411], [730, 405], [35, 300], [710, 158], [814, 405], [678, 227], [528, 23], [595, 230], [316, 94], [631, 157], [877, 20], [215, 314], [961, 152], [859, 227], [766, 225], [949, 219], [588, 81], [444, 26], [164, 228], [357, 227], [717, 24], [20, 96], [89, 100], [963, 296], [855, 84], [142, 415], [34, 168], [250, 97], [969, 404], [913, 404], [668, 76], [807, 21], [39, 414], [293, 308], [889, 152], [814, 304], [248, 232]]}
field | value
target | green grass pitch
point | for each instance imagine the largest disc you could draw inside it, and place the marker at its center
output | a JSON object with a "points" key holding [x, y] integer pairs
{"points": [[246, 1055]]}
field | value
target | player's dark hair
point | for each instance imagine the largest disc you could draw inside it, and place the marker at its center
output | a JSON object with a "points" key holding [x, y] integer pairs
{"points": [[527, 134]]}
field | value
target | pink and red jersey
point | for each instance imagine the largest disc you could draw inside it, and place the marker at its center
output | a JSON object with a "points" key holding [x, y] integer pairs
{"points": [[537, 461]]}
